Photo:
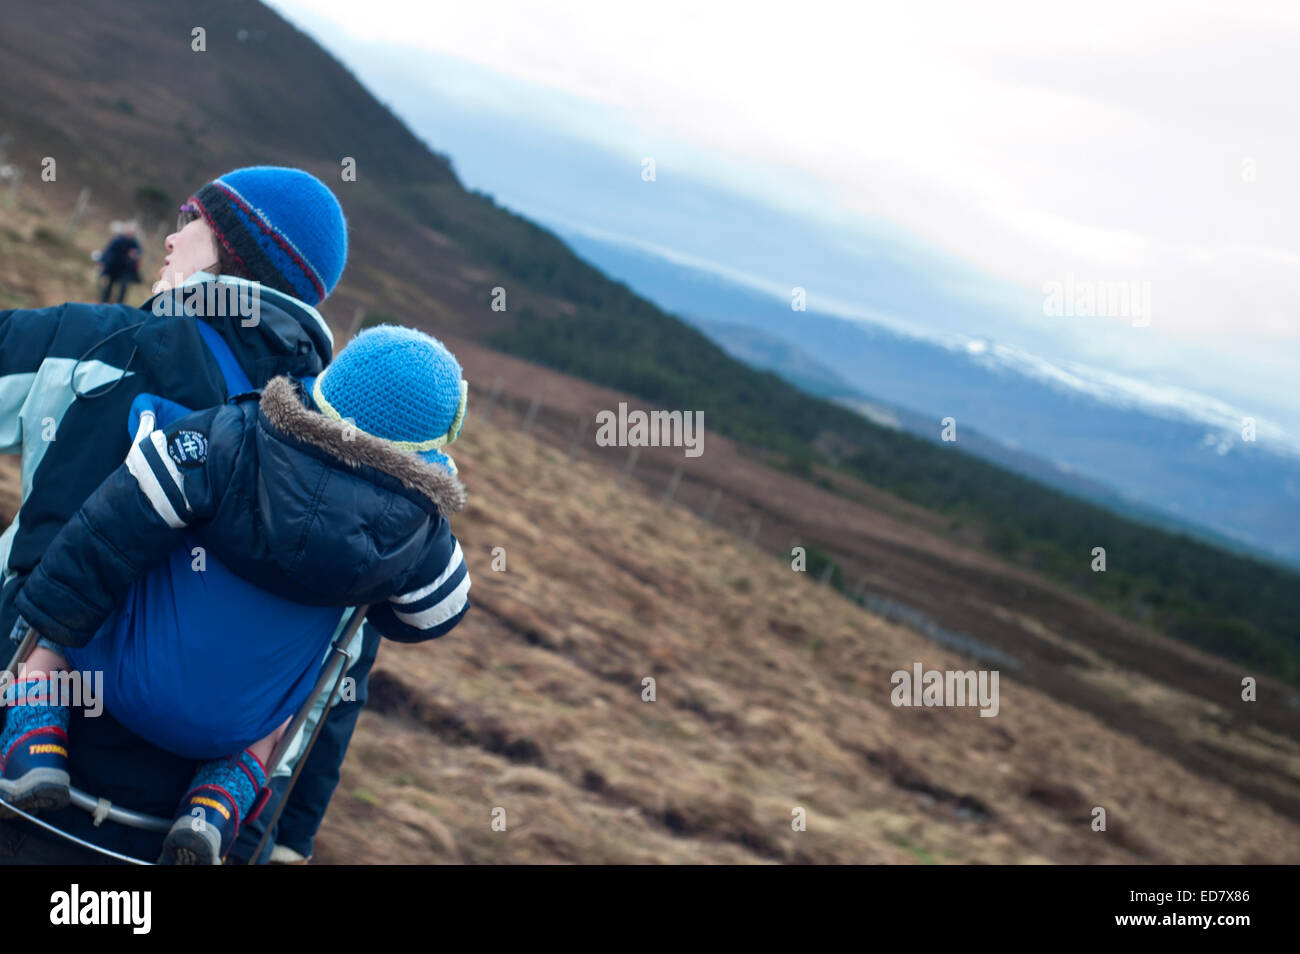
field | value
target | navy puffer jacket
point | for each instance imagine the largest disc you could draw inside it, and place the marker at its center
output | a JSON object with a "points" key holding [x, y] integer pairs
{"points": [[305, 507], [73, 371]]}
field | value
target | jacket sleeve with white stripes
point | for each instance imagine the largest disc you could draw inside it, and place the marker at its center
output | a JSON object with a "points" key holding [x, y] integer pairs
{"points": [[178, 480], [434, 598], [131, 523]]}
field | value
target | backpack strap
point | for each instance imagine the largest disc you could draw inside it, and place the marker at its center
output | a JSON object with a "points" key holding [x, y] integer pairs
{"points": [[237, 381]]}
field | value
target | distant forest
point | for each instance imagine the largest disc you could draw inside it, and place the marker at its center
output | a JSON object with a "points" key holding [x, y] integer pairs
{"points": [[1239, 608]]}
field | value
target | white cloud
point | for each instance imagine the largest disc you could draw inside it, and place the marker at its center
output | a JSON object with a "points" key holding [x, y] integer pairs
{"points": [[1109, 141]]}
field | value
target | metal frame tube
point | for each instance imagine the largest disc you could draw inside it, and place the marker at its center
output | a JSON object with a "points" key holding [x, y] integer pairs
{"points": [[25, 647], [354, 623], [75, 840], [123, 816], [133, 819]]}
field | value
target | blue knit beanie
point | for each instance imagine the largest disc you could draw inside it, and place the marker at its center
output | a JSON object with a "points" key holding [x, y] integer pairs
{"points": [[283, 228], [399, 385]]}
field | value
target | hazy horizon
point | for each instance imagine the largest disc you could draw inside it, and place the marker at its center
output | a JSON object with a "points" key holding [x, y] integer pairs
{"points": [[548, 147]]}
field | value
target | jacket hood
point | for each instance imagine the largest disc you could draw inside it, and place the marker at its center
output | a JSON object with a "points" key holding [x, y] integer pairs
{"points": [[269, 332], [283, 405]]}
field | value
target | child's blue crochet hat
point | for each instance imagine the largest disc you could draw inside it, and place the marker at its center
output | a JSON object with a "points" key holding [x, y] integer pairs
{"points": [[283, 228], [399, 385]]}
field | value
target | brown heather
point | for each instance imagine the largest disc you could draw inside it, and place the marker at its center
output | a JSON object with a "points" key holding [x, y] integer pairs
{"points": [[773, 692]]}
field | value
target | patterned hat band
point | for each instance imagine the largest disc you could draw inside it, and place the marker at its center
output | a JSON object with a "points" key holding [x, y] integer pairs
{"points": [[452, 432], [257, 247]]}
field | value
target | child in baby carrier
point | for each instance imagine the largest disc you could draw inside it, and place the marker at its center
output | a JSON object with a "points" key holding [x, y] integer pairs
{"points": [[328, 492]]}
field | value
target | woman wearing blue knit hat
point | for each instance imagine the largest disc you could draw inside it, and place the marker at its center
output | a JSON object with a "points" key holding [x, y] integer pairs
{"points": [[330, 491], [277, 236], [280, 227]]}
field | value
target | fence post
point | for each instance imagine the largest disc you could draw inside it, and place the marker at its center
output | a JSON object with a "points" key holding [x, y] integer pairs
{"points": [[579, 432], [357, 318], [629, 466], [673, 481], [491, 400], [12, 197], [753, 529], [78, 210], [713, 504], [530, 414]]}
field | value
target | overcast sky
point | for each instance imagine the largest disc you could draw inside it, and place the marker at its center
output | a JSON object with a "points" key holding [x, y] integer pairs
{"points": [[1151, 142]]}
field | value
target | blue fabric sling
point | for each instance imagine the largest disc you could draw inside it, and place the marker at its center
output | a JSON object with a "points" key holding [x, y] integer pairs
{"points": [[203, 664], [236, 380]]}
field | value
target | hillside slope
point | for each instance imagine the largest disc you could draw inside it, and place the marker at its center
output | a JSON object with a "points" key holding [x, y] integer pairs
{"points": [[772, 693], [772, 688], [1141, 690], [132, 112]]}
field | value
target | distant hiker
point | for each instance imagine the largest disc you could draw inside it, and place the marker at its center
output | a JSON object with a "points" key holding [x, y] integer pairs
{"points": [[119, 263], [332, 492], [69, 375]]}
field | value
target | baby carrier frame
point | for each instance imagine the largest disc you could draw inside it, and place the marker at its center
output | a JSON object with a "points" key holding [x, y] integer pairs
{"points": [[237, 382], [102, 809]]}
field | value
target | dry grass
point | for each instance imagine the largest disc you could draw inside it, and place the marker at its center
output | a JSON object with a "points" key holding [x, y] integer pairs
{"points": [[41, 259], [772, 694]]}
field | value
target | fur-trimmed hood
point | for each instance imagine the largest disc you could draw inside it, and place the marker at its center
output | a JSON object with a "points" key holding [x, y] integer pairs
{"points": [[283, 404]]}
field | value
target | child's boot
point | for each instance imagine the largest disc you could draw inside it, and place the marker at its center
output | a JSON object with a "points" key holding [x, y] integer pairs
{"points": [[33, 749], [225, 794]]}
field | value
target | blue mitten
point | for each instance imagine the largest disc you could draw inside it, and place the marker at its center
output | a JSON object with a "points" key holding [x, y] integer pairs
{"points": [[163, 410]]}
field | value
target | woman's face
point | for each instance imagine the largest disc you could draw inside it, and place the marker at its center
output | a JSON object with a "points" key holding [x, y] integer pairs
{"points": [[192, 249]]}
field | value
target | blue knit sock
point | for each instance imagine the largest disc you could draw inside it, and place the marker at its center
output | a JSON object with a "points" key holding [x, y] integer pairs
{"points": [[27, 707], [240, 775]]}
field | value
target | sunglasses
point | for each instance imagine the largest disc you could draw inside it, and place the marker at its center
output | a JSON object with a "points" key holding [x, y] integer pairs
{"points": [[188, 213]]}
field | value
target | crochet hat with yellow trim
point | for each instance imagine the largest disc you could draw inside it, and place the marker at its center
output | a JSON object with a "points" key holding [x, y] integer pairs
{"points": [[399, 385]]}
